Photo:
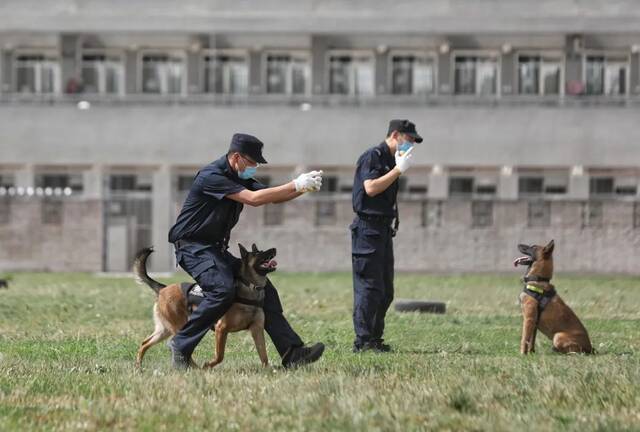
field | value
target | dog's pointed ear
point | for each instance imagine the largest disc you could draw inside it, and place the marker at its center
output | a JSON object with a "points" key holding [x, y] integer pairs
{"points": [[243, 251], [523, 248], [548, 249], [254, 248]]}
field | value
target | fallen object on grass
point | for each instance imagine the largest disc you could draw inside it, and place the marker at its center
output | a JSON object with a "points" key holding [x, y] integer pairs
{"points": [[407, 305]]}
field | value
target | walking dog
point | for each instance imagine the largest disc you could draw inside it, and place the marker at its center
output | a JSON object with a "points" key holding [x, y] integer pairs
{"points": [[542, 307], [175, 302]]}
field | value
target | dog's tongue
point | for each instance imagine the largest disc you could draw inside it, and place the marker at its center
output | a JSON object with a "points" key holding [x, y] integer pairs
{"points": [[272, 264], [521, 260]]}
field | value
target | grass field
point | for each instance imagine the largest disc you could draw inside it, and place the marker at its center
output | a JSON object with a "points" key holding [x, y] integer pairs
{"points": [[67, 345]]}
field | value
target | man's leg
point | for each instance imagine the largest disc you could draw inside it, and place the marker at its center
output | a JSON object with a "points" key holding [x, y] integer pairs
{"points": [[219, 291], [387, 298], [276, 325], [286, 340]]}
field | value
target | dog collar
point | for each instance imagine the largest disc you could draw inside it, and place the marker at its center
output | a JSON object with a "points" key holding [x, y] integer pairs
{"points": [[535, 279]]}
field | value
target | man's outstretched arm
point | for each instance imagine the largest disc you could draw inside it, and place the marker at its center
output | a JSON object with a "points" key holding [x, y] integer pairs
{"points": [[307, 182]]}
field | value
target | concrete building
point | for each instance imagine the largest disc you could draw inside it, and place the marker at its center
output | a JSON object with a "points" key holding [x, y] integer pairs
{"points": [[523, 105]]}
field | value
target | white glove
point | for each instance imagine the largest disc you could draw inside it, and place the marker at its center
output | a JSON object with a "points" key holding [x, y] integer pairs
{"points": [[308, 182], [403, 162]]}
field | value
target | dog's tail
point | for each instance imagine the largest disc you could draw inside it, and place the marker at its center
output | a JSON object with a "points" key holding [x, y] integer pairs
{"points": [[140, 270]]}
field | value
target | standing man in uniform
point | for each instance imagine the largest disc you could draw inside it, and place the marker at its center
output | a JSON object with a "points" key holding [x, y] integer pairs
{"points": [[201, 239], [375, 189]]}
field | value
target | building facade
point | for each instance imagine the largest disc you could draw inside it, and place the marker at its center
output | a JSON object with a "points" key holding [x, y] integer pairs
{"points": [[528, 106]]}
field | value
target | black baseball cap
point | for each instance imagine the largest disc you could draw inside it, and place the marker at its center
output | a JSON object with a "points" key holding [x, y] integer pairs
{"points": [[248, 145], [405, 127]]}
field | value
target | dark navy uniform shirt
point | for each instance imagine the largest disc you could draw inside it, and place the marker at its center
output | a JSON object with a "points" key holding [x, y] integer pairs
{"points": [[374, 163], [207, 215]]}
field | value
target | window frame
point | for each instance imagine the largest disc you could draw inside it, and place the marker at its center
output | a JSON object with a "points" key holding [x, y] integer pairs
{"points": [[490, 53], [170, 52], [607, 54], [264, 72], [122, 73], [353, 53], [51, 56], [236, 52], [562, 58], [426, 54]]}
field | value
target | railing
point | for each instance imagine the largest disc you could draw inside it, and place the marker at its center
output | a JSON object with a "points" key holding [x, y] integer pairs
{"points": [[307, 102]]}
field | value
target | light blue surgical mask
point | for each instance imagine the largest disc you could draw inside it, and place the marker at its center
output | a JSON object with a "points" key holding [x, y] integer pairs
{"points": [[247, 173], [405, 146]]}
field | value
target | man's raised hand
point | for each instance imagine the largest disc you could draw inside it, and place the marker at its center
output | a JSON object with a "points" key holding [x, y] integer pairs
{"points": [[308, 182]]}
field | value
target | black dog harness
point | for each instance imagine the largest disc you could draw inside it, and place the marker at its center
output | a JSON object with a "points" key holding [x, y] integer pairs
{"points": [[541, 296], [194, 295]]}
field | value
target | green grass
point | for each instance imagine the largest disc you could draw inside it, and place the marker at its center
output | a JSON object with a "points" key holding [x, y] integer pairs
{"points": [[68, 341]]}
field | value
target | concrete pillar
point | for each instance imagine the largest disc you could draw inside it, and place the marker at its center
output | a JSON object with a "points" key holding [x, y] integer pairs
{"points": [[93, 182], [68, 67], [382, 71], [578, 184], [507, 74], [162, 204], [5, 70], [318, 65], [438, 183], [507, 184], [445, 75], [634, 73], [131, 71], [255, 72], [25, 176]]}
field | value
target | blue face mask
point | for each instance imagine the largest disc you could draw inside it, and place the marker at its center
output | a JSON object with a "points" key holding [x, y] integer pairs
{"points": [[405, 146], [247, 173]]}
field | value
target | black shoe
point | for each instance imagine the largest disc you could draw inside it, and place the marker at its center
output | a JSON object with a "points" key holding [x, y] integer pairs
{"points": [[377, 347], [178, 360], [298, 356]]}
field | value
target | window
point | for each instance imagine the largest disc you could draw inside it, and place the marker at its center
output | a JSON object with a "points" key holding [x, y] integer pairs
{"points": [[476, 75], [36, 73], [592, 214], [351, 74], [460, 186], [288, 74], [184, 182], [431, 213], [412, 74], [329, 184], [539, 214], [539, 75], [102, 74], [51, 212], [6, 181], [530, 185], [274, 214], [599, 186], [481, 214], [606, 75], [325, 213], [538, 185], [128, 182], [162, 74], [226, 73], [60, 182]]}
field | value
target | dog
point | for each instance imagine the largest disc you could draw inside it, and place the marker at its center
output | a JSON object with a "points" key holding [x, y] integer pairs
{"points": [[4, 283], [175, 302], [542, 307]]}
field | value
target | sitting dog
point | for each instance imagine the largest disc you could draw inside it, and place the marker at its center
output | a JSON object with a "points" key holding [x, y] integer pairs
{"points": [[175, 302], [542, 307]]}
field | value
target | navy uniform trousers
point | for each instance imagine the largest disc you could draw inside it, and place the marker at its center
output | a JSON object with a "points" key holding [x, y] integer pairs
{"points": [[372, 261], [213, 268]]}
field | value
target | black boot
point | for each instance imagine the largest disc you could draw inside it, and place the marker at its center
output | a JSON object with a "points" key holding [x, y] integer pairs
{"points": [[178, 360], [298, 356]]}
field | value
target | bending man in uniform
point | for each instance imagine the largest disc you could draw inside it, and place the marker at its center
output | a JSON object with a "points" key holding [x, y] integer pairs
{"points": [[201, 239], [375, 189]]}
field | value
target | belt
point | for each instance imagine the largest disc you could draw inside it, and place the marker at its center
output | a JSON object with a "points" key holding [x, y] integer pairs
{"points": [[375, 218], [217, 244]]}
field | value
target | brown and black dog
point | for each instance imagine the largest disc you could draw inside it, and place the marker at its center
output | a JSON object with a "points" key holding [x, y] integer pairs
{"points": [[175, 302], [542, 307]]}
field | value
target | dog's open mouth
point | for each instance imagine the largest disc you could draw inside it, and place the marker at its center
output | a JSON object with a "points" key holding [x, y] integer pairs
{"points": [[270, 265], [267, 264], [523, 260]]}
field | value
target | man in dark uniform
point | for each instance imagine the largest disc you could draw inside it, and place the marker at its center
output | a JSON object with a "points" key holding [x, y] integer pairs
{"points": [[201, 239], [375, 188]]}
